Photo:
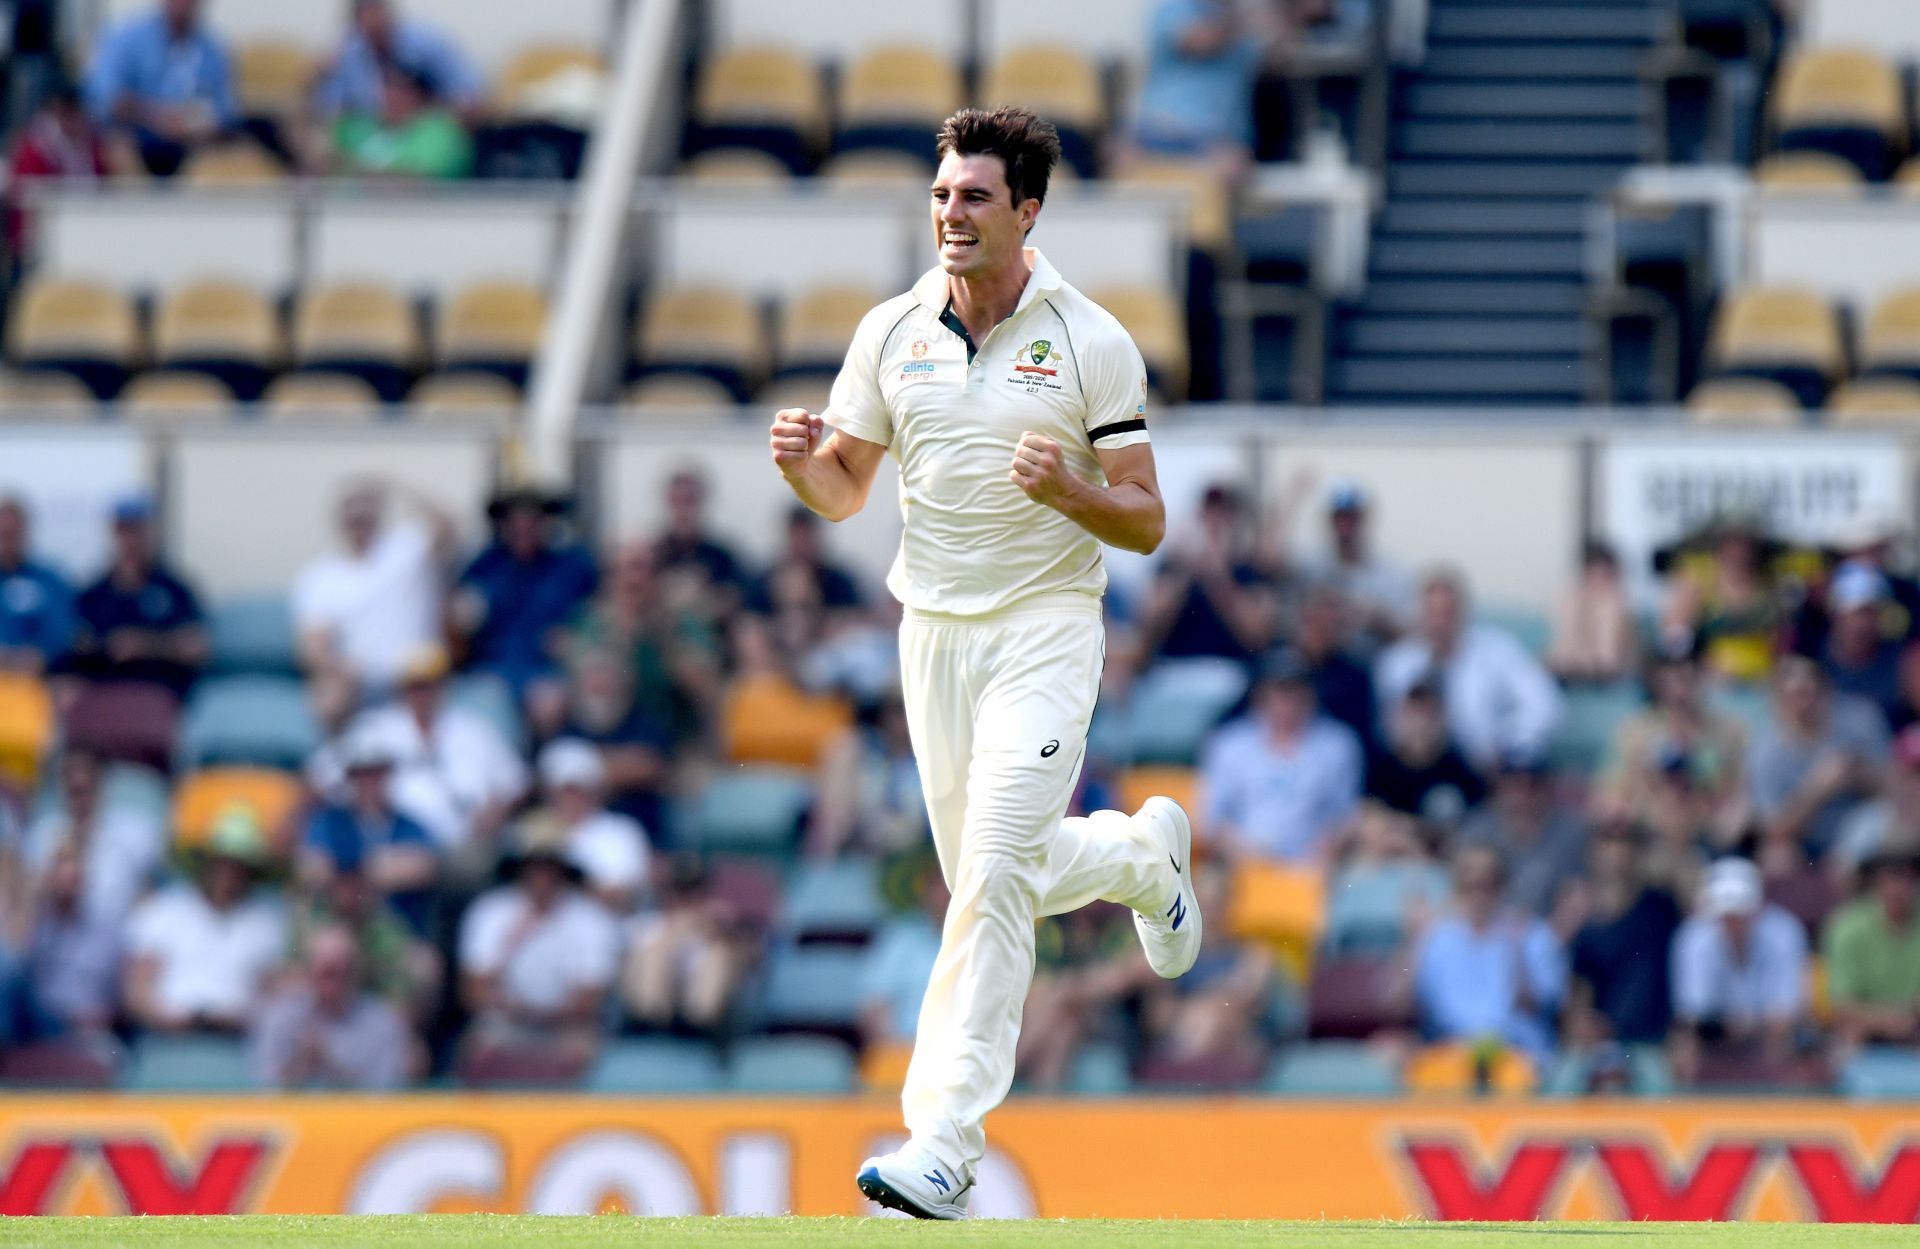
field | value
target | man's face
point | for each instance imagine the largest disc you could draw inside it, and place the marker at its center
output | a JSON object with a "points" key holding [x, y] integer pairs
{"points": [[977, 229], [369, 785], [543, 880], [330, 970], [1676, 684], [1859, 625], [686, 497], [1287, 706], [1897, 888], [1476, 882], [803, 540], [422, 699], [181, 14], [1799, 691], [1348, 525], [374, 19], [227, 881], [13, 534], [523, 531], [1440, 613], [133, 542], [360, 519]]}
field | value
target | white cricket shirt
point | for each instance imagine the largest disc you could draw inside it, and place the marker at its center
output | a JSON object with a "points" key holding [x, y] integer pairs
{"points": [[1059, 366]]}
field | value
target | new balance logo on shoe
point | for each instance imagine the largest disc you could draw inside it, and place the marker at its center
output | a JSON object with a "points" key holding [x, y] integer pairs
{"points": [[1047, 751], [1178, 911], [938, 1181], [1176, 864]]}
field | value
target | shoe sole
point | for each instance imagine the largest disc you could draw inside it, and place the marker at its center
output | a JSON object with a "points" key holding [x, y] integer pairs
{"points": [[876, 1188], [1183, 834]]}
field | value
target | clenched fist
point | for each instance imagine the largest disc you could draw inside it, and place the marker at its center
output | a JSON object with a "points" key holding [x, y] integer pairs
{"points": [[795, 434], [1039, 469]]}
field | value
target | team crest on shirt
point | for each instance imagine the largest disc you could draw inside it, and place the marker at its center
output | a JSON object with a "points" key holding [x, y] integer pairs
{"points": [[1035, 364]]}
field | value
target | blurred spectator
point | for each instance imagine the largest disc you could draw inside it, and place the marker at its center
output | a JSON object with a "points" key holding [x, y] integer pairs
{"points": [[1871, 951], [365, 833], [325, 1031], [72, 960], [609, 848], [870, 787], [120, 847], [1085, 966], [900, 962], [456, 775], [688, 957], [201, 951], [1203, 57], [1859, 658], [364, 611], [163, 80], [56, 143], [635, 748], [1484, 972], [1868, 543], [1542, 843], [537, 956], [1498, 697], [802, 573], [36, 607], [1379, 591], [1814, 758], [1418, 769], [1595, 637], [1209, 597], [1725, 596], [768, 716], [1679, 726], [1889, 822], [393, 961], [1217, 1011], [1739, 973], [662, 632], [1341, 682], [686, 552], [1621, 990], [376, 38], [1387, 886], [1282, 781], [139, 621], [413, 134], [514, 597]]}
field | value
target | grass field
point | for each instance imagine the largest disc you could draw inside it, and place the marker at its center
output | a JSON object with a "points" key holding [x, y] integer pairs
{"points": [[432, 1231]]}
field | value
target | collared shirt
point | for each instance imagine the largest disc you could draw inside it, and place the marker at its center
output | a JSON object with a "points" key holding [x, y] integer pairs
{"points": [[574, 946], [381, 607], [209, 961], [353, 85], [1188, 102], [898, 965], [141, 58], [36, 609], [526, 600], [1498, 697], [347, 840], [1469, 981], [953, 412], [161, 602], [1764, 983], [367, 1047], [1868, 961], [444, 776], [1280, 803]]}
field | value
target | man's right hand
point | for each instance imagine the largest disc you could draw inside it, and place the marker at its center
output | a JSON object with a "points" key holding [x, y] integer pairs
{"points": [[795, 434]]}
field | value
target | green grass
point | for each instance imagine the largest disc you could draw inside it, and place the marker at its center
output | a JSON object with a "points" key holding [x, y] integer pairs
{"points": [[481, 1230]]}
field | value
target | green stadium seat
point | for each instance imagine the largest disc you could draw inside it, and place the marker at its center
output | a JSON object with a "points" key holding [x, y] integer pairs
{"points": [[1751, 705], [1324, 1069], [249, 719], [1100, 1069], [1530, 628], [656, 1065], [189, 1064], [751, 810], [834, 900], [815, 989], [1176, 703], [1593, 715], [1881, 1074], [1367, 909], [254, 637], [791, 1064], [137, 790], [488, 697]]}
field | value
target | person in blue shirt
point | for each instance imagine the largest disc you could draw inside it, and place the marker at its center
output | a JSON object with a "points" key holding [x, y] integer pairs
{"points": [[378, 37], [520, 590], [1203, 57], [165, 81], [361, 831], [138, 622], [36, 607]]}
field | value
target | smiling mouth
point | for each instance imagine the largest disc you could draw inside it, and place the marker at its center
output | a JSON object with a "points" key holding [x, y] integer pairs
{"points": [[956, 239]]}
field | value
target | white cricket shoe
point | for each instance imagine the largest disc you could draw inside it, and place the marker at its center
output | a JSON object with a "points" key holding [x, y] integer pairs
{"points": [[914, 1182], [1170, 934]]}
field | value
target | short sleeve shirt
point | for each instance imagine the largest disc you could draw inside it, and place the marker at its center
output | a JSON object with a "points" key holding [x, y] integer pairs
{"points": [[952, 412]]}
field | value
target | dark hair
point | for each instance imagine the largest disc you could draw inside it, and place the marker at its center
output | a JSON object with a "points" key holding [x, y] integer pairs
{"points": [[1027, 144]]}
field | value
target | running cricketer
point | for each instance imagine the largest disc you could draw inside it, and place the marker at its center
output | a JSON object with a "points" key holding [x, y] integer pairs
{"points": [[1016, 408]]}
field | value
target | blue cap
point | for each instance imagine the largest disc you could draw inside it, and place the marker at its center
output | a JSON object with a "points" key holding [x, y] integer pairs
{"points": [[1346, 495], [1856, 585], [133, 509]]}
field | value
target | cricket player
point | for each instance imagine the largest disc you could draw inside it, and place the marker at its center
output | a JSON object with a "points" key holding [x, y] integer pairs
{"points": [[1016, 409]]}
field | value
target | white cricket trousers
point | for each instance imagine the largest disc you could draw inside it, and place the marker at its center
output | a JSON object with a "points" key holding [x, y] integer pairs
{"points": [[997, 709]]}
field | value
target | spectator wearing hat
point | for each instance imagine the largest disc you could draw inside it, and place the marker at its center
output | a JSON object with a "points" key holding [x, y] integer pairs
{"points": [[1678, 730], [1859, 657], [1871, 951], [1209, 597], [515, 596], [1498, 697], [1281, 782], [162, 79], [1889, 822], [1380, 591], [139, 621], [538, 954], [1724, 593], [1621, 986], [1595, 638], [393, 961], [201, 952], [120, 847], [1344, 685], [376, 37], [1867, 542], [1541, 841], [365, 832], [1739, 973], [610, 849], [1816, 756], [364, 611], [325, 1030], [1418, 769], [36, 607]]}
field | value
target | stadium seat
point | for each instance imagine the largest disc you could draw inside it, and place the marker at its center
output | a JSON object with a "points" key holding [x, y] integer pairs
{"points": [[126, 720], [1136, 785], [1890, 341], [62, 1063], [761, 99], [678, 390], [815, 989], [1743, 401], [1176, 703], [1843, 101], [172, 397], [753, 811], [1367, 908], [143, 792], [490, 698], [189, 1064], [219, 328], [1787, 336], [771, 720], [706, 332], [837, 900], [1099, 1069], [531, 85], [232, 164], [501, 1065], [1062, 86], [1280, 906], [367, 331], [1238, 1068], [204, 796], [334, 398], [26, 728], [494, 327], [1907, 180], [75, 327], [813, 330], [1352, 998], [1333, 1070], [464, 396], [253, 720], [253, 637], [1875, 401], [1593, 716], [894, 97], [1458, 1069], [1573, 1073], [883, 1066], [734, 166], [655, 1065], [808, 390], [272, 81], [874, 167], [1807, 171], [1159, 330], [1209, 208], [749, 888], [1881, 1074], [39, 396], [790, 1064], [1525, 625]]}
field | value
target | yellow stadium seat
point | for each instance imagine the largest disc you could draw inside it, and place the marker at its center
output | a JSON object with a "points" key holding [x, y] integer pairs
{"points": [[762, 98], [1890, 342], [365, 330], [1209, 205], [273, 79], [87, 330], [45, 396], [525, 84], [232, 164], [1159, 330], [206, 795], [1280, 906], [457, 396], [705, 330], [1788, 336], [814, 329], [1907, 181], [768, 719], [883, 1067], [809, 391], [26, 728], [172, 396], [735, 166], [221, 328], [1743, 401], [1807, 171], [1875, 401], [495, 327], [895, 98], [1061, 85], [330, 397], [1457, 1068], [874, 167], [1136, 785], [678, 390], [1841, 100]]}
